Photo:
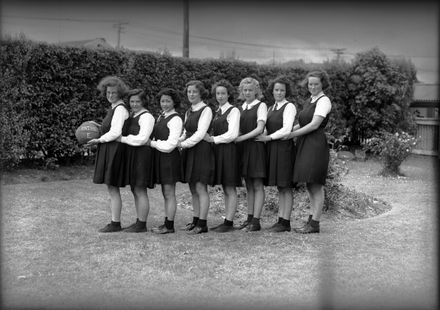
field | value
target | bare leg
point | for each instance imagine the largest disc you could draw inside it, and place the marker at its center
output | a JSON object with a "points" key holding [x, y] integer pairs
{"points": [[316, 194], [141, 202], [202, 193], [230, 202], [250, 196], [169, 194], [195, 199], [115, 202], [259, 196]]}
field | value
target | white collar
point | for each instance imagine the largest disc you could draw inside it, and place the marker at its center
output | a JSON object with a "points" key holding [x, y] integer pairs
{"points": [[252, 104], [225, 107], [197, 106], [280, 104], [314, 98], [166, 114]]}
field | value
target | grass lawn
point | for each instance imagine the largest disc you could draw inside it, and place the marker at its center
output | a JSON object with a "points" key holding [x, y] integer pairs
{"points": [[54, 258]]}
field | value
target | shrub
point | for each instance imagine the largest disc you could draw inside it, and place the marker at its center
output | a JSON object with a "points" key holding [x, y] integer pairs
{"points": [[393, 149]]}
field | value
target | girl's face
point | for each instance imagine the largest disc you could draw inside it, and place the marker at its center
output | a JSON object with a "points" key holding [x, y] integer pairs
{"points": [[249, 92], [166, 103], [315, 86], [136, 103], [193, 94], [112, 94], [279, 92], [221, 94]]}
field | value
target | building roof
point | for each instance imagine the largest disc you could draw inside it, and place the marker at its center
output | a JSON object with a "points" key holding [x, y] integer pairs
{"points": [[426, 95]]}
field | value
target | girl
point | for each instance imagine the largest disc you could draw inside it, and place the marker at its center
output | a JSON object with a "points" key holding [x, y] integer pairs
{"points": [[253, 153], [110, 155], [280, 153], [197, 155], [312, 156], [167, 157], [225, 127], [139, 168]]}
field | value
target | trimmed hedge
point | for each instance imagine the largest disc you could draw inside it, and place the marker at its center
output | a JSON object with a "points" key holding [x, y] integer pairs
{"points": [[49, 90]]}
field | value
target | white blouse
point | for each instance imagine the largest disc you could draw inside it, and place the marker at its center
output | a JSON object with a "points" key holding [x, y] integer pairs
{"points": [[202, 126], [324, 106], [146, 123], [175, 126], [288, 119], [233, 120], [119, 117], [261, 112]]}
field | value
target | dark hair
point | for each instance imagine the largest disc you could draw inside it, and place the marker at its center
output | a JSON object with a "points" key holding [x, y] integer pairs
{"points": [[175, 96], [201, 88], [323, 77], [113, 81], [142, 95], [226, 84], [282, 79]]}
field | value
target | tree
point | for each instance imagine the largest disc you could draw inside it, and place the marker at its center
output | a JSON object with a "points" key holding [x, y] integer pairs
{"points": [[379, 94]]}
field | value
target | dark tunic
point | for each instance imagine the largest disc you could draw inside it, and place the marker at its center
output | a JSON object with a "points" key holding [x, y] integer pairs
{"points": [[252, 153], [111, 156], [312, 157], [280, 153], [198, 162], [139, 162], [167, 166], [226, 156]]}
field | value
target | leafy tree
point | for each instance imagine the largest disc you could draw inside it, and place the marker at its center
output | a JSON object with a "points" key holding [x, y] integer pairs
{"points": [[379, 94]]}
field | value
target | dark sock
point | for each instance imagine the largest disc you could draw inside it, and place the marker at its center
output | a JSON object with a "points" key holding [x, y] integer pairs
{"points": [[228, 223], [285, 223], [195, 220], [169, 224], [309, 219], [280, 220], [314, 223], [142, 224], [166, 219], [250, 217], [255, 220], [116, 223], [201, 223]]}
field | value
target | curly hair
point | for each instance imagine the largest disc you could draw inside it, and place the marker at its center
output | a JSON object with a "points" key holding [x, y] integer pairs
{"points": [[282, 79], [174, 94], [226, 84], [321, 75], [142, 95], [200, 87], [113, 81], [254, 83]]}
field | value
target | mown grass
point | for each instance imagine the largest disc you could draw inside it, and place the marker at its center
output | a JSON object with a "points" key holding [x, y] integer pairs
{"points": [[53, 257]]}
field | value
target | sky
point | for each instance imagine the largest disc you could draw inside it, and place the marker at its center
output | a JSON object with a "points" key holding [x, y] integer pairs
{"points": [[263, 31]]}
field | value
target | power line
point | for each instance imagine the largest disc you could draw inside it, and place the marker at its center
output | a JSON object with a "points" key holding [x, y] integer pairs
{"points": [[64, 19]]}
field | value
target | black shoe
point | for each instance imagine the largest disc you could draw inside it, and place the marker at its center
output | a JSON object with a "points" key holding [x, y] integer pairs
{"points": [[244, 224], [198, 230], [110, 228], [138, 228], [253, 227], [162, 230], [281, 228], [215, 227], [307, 229], [224, 228], [275, 226], [189, 226], [132, 225]]}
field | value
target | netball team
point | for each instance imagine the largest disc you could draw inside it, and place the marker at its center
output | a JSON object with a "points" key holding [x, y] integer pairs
{"points": [[248, 144]]}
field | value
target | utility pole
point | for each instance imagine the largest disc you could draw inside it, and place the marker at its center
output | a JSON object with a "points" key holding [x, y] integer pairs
{"points": [[185, 52], [119, 27], [338, 52]]}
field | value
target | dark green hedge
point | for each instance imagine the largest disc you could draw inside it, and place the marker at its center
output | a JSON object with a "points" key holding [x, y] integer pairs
{"points": [[48, 91]]}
